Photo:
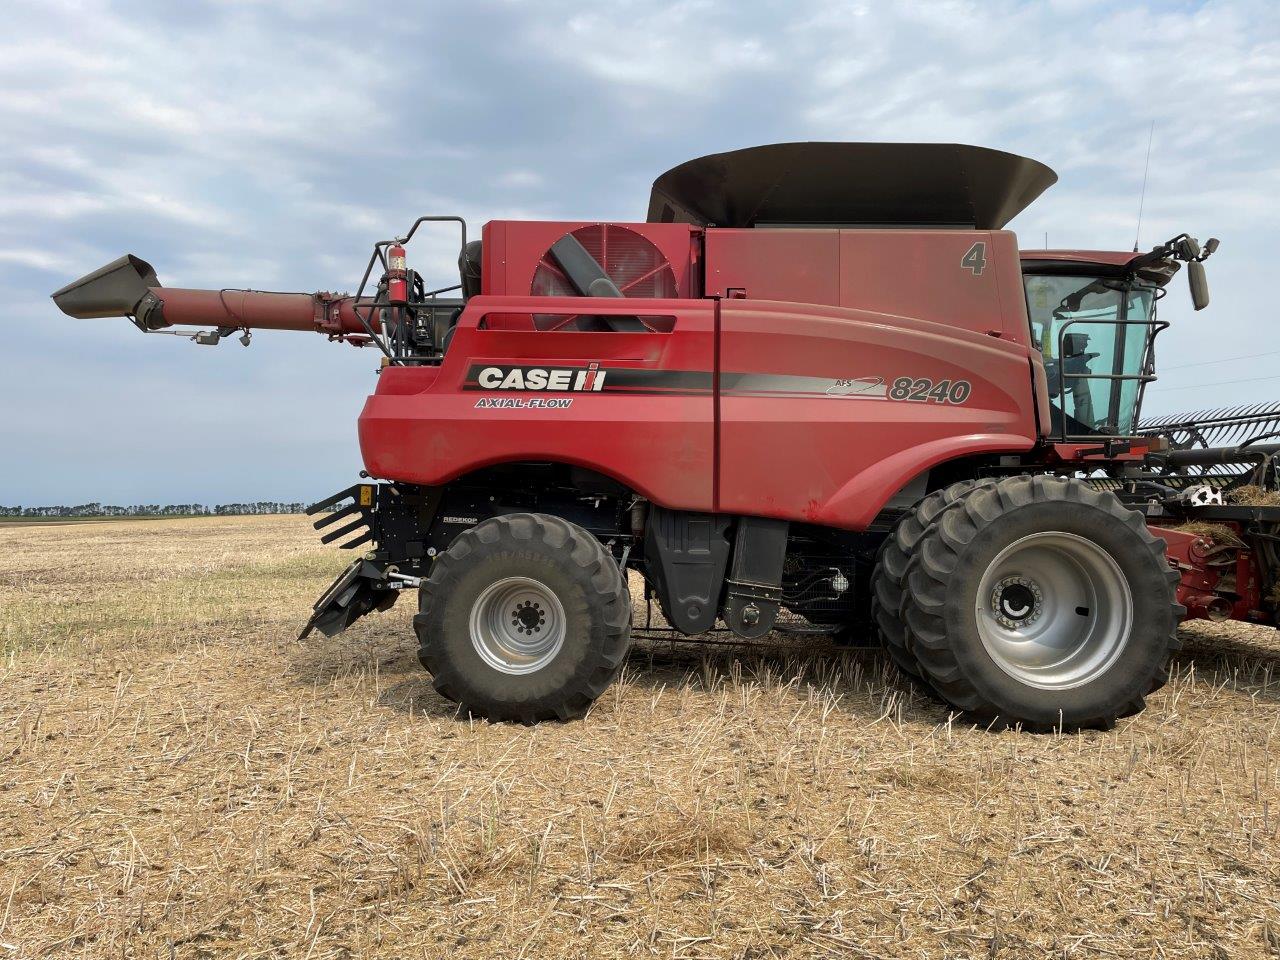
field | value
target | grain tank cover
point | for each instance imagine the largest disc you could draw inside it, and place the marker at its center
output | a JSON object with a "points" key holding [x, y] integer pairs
{"points": [[851, 184]]}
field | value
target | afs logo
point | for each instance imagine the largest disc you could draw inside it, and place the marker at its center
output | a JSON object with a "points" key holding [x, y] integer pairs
{"points": [[589, 379]]}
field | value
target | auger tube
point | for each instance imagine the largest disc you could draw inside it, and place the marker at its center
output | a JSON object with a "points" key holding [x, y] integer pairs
{"points": [[128, 287]]}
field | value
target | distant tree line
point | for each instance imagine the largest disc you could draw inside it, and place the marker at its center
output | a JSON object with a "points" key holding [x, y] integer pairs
{"points": [[155, 510]]}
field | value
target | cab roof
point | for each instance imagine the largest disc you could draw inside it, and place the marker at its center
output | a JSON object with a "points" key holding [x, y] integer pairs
{"points": [[1105, 258], [1100, 263]]}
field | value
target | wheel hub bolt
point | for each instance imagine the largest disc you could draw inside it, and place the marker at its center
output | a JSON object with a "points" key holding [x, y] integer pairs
{"points": [[1017, 602], [528, 617]]}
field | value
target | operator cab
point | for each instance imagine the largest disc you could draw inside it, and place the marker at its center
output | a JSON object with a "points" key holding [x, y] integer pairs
{"points": [[1093, 317]]}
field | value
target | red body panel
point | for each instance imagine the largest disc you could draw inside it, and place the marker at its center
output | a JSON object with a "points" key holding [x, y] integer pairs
{"points": [[907, 273], [921, 273], [423, 425], [847, 445], [806, 378], [801, 266]]}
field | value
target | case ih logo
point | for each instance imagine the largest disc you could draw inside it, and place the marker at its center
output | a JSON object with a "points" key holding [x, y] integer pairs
{"points": [[557, 379]]}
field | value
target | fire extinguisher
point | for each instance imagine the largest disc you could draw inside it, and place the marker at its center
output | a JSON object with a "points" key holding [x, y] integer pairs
{"points": [[397, 276]]}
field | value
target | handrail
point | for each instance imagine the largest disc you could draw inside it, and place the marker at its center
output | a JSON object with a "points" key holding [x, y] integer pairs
{"points": [[1154, 326]]}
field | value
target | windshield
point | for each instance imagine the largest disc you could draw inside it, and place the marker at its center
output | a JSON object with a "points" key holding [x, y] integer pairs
{"points": [[1095, 335]]}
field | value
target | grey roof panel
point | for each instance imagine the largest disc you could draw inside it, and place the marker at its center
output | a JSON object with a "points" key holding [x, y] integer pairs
{"points": [[889, 184]]}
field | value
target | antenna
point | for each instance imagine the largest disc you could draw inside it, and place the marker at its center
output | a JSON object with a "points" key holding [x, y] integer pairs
{"points": [[1146, 168]]}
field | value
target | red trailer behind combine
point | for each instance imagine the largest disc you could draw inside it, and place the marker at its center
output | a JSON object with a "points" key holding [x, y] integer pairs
{"points": [[820, 378]]}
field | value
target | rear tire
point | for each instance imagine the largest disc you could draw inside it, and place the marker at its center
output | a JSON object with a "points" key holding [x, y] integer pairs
{"points": [[1044, 602], [525, 617]]}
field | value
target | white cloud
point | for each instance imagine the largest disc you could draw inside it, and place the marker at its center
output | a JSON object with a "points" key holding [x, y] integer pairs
{"points": [[515, 179], [672, 48]]}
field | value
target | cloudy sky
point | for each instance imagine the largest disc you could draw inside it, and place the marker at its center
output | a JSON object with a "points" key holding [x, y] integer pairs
{"points": [[266, 144]]}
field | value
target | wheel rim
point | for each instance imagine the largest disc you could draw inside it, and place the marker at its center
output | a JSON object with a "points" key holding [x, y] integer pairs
{"points": [[1054, 610], [517, 625]]}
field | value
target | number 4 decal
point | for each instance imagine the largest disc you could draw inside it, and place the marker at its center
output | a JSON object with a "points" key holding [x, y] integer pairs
{"points": [[975, 259]]}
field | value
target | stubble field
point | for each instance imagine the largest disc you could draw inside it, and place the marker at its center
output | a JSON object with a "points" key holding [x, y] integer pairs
{"points": [[180, 778]]}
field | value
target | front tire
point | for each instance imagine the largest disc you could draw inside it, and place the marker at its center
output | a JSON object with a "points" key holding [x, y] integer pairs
{"points": [[892, 560], [525, 617], [1044, 602]]}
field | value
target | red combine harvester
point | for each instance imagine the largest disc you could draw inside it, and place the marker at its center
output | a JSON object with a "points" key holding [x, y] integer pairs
{"points": [[819, 379]]}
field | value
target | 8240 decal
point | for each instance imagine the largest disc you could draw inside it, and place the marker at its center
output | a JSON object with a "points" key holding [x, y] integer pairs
{"points": [[922, 390]]}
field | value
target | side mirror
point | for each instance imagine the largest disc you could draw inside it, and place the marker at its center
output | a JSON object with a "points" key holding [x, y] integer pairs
{"points": [[1199, 284]]}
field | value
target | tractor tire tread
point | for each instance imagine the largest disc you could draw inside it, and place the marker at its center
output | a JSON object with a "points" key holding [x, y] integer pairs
{"points": [[937, 558], [595, 568], [893, 561]]}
